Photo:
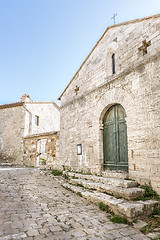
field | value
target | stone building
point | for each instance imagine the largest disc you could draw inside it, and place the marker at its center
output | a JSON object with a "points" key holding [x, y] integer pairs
{"points": [[110, 110], [21, 120], [42, 150]]}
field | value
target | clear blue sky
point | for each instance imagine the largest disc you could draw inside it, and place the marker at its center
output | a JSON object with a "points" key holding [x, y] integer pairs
{"points": [[44, 42]]}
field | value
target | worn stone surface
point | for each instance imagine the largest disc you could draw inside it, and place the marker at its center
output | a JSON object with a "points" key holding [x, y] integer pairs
{"points": [[135, 86], [39, 147], [127, 193], [127, 189], [114, 180], [35, 206], [129, 209]]}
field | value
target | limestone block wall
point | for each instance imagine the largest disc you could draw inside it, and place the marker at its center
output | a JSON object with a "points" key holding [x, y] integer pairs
{"points": [[11, 133], [136, 86], [82, 123], [48, 114], [42, 146], [124, 40]]}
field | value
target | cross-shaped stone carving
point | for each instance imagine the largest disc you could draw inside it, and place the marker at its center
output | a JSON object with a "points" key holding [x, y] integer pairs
{"points": [[144, 46], [76, 89]]}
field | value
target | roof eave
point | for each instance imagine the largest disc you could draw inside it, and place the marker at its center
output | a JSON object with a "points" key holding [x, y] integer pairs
{"points": [[16, 104]]}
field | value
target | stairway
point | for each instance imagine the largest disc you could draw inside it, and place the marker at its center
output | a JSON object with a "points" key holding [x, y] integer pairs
{"points": [[113, 190]]}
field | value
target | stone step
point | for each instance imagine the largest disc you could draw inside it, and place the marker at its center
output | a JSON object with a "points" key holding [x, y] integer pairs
{"points": [[106, 180], [127, 193], [129, 209], [118, 175], [6, 164]]}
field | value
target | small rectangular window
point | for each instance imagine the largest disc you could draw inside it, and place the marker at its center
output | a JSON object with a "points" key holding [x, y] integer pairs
{"points": [[37, 120], [113, 64], [79, 149]]}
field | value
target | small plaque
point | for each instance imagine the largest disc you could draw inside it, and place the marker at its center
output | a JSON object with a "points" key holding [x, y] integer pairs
{"points": [[79, 149]]}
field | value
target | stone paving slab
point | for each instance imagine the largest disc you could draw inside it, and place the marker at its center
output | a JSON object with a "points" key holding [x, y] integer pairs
{"points": [[34, 206]]}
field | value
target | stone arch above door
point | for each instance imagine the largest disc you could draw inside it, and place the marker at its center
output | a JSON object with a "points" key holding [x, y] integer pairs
{"points": [[113, 96]]}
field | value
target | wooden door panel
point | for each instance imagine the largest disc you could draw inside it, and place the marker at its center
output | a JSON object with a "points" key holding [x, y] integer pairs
{"points": [[122, 140], [110, 144], [115, 139]]}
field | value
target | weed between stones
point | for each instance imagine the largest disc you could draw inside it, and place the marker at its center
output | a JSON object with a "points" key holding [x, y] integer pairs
{"points": [[153, 222], [65, 177], [114, 218], [74, 177], [79, 185], [156, 211], [79, 194], [103, 207], [56, 172], [149, 194], [118, 219]]}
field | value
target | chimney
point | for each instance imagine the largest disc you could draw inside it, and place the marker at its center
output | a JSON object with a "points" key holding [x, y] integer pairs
{"points": [[25, 98]]}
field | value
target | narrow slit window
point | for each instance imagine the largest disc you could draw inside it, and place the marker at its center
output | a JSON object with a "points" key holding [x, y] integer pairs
{"points": [[113, 64], [37, 120]]}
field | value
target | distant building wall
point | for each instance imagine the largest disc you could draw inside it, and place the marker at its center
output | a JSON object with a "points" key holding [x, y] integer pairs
{"points": [[24, 118], [47, 115], [11, 134], [42, 150]]}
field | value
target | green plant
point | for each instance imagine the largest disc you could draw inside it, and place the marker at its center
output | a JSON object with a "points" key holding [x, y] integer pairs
{"points": [[149, 194], [63, 167], [146, 229], [103, 207], [118, 196], [65, 176], [56, 172], [74, 177], [79, 194], [153, 222], [42, 160], [79, 185], [118, 219], [156, 211], [114, 218]]}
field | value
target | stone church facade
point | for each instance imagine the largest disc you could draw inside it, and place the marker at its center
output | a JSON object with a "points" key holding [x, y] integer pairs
{"points": [[22, 122], [110, 111]]}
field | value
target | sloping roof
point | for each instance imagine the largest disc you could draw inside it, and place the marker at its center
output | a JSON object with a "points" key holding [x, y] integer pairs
{"points": [[17, 104], [113, 26], [34, 102], [56, 105]]}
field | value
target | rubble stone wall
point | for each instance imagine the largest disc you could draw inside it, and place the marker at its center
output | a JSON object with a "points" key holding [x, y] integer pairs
{"points": [[11, 134], [42, 147]]}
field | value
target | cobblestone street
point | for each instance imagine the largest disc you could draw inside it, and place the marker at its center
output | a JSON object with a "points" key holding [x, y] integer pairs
{"points": [[35, 206]]}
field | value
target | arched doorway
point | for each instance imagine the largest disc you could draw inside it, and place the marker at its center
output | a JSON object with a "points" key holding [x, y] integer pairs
{"points": [[115, 139]]}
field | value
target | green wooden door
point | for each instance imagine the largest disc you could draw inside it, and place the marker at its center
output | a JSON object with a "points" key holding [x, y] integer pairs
{"points": [[115, 139]]}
